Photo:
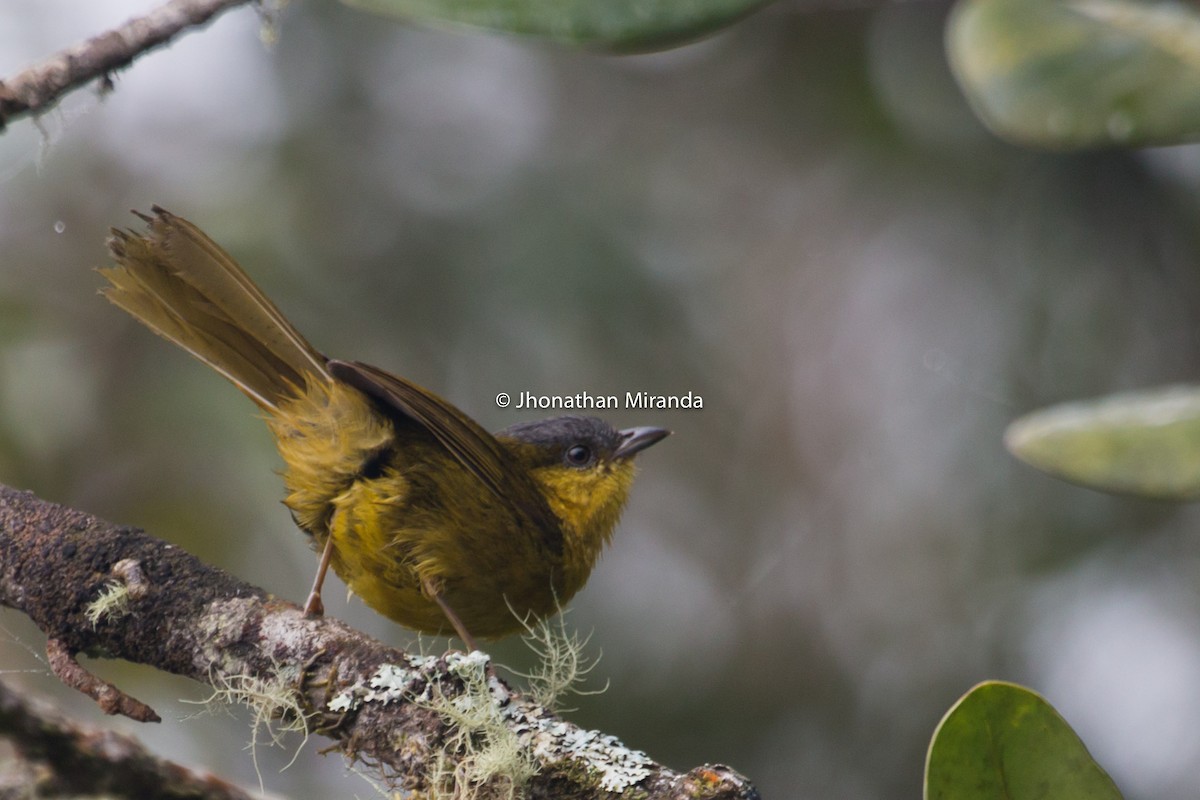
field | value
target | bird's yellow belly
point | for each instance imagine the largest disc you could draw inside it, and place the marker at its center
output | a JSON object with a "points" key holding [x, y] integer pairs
{"points": [[388, 553]]}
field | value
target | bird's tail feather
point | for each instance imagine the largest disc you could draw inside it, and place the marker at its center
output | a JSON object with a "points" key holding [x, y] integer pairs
{"points": [[183, 286]]}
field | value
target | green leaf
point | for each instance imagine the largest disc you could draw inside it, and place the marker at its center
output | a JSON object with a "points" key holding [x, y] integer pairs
{"points": [[611, 24], [1001, 741], [1146, 443], [1080, 73]]}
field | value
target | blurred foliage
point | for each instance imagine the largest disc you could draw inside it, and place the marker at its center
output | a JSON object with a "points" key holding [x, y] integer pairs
{"points": [[1145, 443], [1066, 74], [615, 24], [799, 219], [1058, 74], [1004, 742]]}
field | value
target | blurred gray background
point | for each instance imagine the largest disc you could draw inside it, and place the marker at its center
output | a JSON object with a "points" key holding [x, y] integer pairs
{"points": [[798, 220]]}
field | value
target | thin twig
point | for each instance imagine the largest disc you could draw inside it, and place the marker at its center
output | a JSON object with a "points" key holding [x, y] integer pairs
{"points": [[110, 699], [38, 87]]}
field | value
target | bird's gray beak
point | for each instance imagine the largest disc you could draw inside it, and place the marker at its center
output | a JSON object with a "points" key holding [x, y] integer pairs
{"points": [[635, 440]]}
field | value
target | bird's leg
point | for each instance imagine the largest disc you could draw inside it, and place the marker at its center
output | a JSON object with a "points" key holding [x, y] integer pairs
{"points": [[314, 607], [459, 628]]}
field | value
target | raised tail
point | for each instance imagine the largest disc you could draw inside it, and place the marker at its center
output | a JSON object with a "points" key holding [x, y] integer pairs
{"points": [[184, 287]]}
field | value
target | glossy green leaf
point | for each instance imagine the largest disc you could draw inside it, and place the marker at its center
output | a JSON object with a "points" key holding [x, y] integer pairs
{"points": [[1080, 73], [613, 24], [1001, 741], [1147, 443]]}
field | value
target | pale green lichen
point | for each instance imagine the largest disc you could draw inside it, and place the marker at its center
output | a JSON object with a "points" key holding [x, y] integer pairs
{"points": [[274, 704], [562, 663], [617, 766], [390, 683], [112, 602], [498, 741], [490, 753]]}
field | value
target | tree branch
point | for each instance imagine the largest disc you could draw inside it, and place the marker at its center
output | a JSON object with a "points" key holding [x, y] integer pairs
{"points": [[38, 87], [57, 758], [69, 571]]}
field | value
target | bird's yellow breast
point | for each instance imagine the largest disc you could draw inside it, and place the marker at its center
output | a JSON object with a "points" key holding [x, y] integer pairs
{"points": [[590, 503]]}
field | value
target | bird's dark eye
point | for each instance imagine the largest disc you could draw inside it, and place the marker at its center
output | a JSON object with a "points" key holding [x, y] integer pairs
{"points": [[579, 455]]}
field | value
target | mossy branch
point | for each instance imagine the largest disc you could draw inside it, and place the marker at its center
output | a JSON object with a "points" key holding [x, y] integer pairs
{"points": [[382, 707], [38, 87]]}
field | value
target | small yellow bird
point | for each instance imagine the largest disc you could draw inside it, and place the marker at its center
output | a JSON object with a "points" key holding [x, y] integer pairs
{"points": [[424, 514]]}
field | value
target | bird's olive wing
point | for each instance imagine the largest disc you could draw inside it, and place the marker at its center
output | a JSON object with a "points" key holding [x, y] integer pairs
{"points": [[475, 448]]}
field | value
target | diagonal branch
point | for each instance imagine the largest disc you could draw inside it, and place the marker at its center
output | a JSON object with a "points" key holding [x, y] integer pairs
{"points": [[68, 570], [38, 87], [54, 757]]}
